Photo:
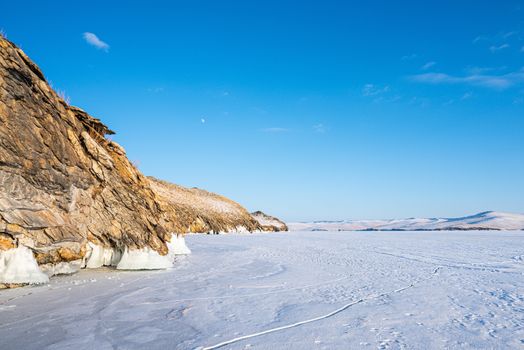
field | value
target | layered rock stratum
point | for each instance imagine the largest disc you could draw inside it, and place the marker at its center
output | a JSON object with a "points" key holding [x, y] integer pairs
{"points": [[69, 196]]}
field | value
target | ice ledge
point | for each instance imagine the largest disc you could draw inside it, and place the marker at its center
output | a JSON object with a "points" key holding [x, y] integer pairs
{"points": [[98, 256], [144, 259], [18, 265], [149, 259], [177, 245]]}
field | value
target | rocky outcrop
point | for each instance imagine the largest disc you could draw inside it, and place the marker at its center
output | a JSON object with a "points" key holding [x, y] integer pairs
{"points": [[269, 223], [202, 211], [67, 193], [70, 198]]}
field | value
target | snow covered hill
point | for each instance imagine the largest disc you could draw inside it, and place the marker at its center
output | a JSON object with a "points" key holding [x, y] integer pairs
{"points": [[489, 220]]}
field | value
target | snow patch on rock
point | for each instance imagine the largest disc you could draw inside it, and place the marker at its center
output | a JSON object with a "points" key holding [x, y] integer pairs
{"points": [[18, 265]]}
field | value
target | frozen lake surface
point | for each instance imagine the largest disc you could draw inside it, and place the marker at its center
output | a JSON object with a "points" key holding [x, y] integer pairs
{"points": [[305, 290]]}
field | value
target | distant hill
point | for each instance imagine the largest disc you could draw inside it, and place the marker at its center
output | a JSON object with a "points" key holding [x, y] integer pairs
{"points": [[488, 220]]}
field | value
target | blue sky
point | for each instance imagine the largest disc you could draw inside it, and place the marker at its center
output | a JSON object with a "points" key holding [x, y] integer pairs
{"points": [[305, 110]]}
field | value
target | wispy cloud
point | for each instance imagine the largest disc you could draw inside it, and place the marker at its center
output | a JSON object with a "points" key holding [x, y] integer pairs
{"points": [[479, 39], [428, 65], [320, 128], [508, 34], [379, 94], [474, 70], [409, 57], [93, 40], [274, 130], [495, 48], [499, 41], [422, 102], [374, 90], [155, 90], [499, 82], [466, 96]]}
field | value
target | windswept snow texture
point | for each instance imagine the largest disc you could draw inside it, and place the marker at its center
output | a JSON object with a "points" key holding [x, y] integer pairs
{"points": [[298, 290], [489, 220]]}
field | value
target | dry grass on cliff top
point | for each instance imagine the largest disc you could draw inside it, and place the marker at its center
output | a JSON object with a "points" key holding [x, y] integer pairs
{"points": [[203, 211]]}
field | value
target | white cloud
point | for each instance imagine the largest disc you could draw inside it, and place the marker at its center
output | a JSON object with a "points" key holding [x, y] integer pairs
{"points": [[379, 94], [467, 95], [155, 90], [373, 90], [320, 128], [92, 39], [428, 65], [409, 57], [499, 82], [495, 48], [499, 41], [474, 70], [274, 130], [479, 38], [508, 34]]}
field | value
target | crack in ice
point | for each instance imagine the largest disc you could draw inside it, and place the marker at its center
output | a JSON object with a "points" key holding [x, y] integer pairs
{"points": [[322, 317]]}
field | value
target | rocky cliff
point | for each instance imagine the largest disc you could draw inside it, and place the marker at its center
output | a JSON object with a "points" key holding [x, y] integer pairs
{"points": [[269, 223], [67, 192], [70, 198]]}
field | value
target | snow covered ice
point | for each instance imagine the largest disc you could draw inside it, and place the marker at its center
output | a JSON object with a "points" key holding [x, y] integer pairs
{"points": [[297, 290]]}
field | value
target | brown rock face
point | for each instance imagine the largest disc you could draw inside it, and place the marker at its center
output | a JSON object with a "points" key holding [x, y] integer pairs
{"points": [[269, 223], [62, 182]]}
